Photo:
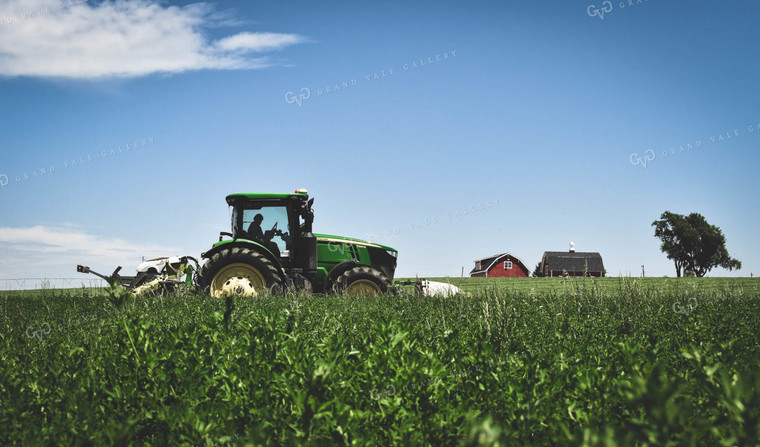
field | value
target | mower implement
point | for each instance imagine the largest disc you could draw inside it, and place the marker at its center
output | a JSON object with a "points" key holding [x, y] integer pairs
{"points": [[152, 282]]}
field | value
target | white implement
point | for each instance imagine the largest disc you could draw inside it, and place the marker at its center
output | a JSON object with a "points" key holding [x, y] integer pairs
{"points": [[434, 288]]}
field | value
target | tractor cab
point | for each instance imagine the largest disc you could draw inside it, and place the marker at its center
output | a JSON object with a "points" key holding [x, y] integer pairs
{"points": [[280, 223], [266, 222]]}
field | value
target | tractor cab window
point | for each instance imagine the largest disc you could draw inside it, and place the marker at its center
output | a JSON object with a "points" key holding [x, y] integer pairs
{"points": [[267, 225]]}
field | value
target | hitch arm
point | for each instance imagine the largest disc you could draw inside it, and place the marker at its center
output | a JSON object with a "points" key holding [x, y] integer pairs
{"points": [[110, 279]]}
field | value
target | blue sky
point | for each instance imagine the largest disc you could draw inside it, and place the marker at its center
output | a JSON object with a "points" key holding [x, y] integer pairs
{"points": [[466, 129]]}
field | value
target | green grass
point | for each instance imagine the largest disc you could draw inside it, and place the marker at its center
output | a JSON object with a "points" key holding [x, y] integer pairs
{"points": [[520, 362], [608, 284]]}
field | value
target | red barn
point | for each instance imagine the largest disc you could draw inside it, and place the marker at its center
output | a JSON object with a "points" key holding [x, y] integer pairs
{"points": [[504, 265]]}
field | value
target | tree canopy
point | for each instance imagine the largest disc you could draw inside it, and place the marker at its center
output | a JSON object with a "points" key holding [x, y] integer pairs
{"points": [[694, 245]]}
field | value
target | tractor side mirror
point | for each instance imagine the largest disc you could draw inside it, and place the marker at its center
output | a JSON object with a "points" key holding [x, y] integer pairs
{"points": [[311, 202]]}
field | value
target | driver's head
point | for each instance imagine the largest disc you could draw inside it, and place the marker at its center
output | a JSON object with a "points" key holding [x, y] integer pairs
{"points": [[258, 218]]}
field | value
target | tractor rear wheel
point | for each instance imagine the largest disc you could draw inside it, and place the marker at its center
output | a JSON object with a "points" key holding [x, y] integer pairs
{"points": [[360, 281], [238, 271]]}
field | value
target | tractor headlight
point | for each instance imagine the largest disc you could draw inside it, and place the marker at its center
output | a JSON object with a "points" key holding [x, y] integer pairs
{"points": [[392, 253]]}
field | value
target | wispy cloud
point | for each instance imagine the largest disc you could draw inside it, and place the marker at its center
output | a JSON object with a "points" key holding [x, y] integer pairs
{"points": [[118, 38], [258, 42], [41, 250]]}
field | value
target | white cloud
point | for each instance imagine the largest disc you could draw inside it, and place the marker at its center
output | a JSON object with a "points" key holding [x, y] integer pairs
{"points": [[258, 42], [119, 38], [45, 251]]}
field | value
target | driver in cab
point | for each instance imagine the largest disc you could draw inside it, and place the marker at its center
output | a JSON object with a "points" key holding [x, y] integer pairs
{"points": [[265, 237]]}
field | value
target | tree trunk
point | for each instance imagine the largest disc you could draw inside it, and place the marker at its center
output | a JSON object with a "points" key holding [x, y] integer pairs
{"points": [[678, 269]]}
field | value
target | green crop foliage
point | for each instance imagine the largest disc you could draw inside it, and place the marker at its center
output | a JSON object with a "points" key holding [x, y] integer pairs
{"points": [[541, 361]]}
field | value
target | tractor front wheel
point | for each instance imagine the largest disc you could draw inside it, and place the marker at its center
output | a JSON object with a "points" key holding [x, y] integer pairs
{"points": [[238, 271], [360, 281]]}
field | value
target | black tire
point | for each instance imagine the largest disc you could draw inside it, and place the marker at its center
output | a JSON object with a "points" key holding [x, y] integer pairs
{"points": [[238, 271], [361, 281]]}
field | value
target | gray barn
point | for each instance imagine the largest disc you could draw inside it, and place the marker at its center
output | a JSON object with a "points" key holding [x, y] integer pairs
{"points": [[572, 263]]}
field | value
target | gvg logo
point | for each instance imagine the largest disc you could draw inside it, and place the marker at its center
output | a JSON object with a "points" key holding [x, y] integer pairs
{"points": [[291, 97], [38, 333], [649, 155], [686, 309], [593, 11], [386, 394], [338, 247]]}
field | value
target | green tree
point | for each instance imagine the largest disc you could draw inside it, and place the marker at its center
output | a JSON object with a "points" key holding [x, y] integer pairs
{"points": [[676, 236], [537, 273], [693, 244]]}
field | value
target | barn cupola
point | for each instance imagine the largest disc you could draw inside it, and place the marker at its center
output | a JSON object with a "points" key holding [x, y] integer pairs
{"points": [[572, 247]]}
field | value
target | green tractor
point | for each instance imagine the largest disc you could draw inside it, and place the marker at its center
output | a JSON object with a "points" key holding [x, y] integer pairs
{"points": [[272, 248]]}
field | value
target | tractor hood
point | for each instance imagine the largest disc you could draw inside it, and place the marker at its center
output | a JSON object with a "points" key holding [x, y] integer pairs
{"points": [[365, 253], [343, 239]]}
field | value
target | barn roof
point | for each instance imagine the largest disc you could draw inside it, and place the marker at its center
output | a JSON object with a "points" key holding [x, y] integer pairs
{"points": [[573, 262], [491, 260]]}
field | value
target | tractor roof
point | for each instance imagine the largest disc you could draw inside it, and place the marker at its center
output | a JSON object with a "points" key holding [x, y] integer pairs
{"points": [[258, 196]]}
